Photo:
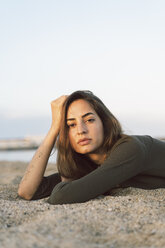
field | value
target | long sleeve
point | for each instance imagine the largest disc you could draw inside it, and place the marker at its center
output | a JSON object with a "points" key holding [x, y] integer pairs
{"points": [[46, 186], [126, 161]]}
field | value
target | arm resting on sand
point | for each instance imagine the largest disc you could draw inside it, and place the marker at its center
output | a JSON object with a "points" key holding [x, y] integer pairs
{"points": [[47, 184], [36, 168], [126, 161]]}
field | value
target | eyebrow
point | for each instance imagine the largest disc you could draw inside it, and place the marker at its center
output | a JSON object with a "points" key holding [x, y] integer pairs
{"points": [[89, 113]]}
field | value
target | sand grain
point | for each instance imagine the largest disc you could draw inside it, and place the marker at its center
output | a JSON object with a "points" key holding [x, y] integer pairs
{"points": [[128, 218]]}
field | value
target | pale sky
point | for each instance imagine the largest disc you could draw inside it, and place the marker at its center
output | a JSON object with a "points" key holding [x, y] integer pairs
{"points": [[49, 48]]}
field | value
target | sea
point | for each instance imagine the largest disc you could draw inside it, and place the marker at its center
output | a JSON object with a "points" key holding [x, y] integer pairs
{"points": [[22, 155]]}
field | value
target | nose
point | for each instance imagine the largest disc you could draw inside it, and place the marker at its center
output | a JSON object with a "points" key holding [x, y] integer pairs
{"points": [[81, 128]]}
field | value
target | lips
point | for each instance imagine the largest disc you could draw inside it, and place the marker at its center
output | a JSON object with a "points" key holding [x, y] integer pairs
{"points": [[84, 141]]}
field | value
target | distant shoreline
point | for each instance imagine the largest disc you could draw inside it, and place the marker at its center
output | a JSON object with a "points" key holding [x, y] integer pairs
{"points": [[19, 148], [28, 143]]}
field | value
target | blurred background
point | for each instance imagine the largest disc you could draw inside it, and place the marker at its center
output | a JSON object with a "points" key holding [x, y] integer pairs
{"points": [[49, 48]]}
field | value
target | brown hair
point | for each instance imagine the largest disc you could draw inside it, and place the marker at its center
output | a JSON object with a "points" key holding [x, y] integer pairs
{"points": [[71, 164]]}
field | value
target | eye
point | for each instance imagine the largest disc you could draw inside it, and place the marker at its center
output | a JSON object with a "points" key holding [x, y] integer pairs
{"points": [[91, 120], [71, 125]]}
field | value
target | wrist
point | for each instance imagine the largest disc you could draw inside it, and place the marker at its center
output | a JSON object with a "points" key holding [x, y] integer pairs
{"points": [[54, 131]]}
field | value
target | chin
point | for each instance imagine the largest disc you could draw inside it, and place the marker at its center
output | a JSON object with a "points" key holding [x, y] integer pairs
{"points": [[84, 151], [87, 151]]}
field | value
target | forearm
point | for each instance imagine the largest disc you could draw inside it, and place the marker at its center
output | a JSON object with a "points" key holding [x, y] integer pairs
{"points": [[124, 163], [90, 186], [36, 168], [46, 186]]}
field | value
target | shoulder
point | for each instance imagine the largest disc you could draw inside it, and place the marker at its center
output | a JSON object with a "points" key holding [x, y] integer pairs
{"points": [[134, 141], [127, 141], [129, 146]]}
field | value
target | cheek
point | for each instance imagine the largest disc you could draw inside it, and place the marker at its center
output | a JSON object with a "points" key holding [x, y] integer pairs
{"points": [[100, 133], [100, 130]]}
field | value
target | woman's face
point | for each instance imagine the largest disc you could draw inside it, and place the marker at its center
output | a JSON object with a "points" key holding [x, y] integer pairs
{"points": [[86, 132]]}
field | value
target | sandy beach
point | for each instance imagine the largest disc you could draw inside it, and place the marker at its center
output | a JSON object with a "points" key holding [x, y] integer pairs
{"points": [[127, 218]]}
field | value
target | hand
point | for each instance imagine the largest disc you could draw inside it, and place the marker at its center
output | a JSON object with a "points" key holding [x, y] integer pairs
{"points": [[56, 108]]}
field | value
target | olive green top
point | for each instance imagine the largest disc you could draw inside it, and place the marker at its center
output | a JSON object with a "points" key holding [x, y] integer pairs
{"points": [[138, 162]]}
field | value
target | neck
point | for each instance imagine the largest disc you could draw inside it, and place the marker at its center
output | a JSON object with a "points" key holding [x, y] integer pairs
{"points": [[97, 158]]}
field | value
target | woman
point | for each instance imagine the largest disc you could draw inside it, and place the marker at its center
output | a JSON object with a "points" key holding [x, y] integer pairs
{"points": [[94, 155]]}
